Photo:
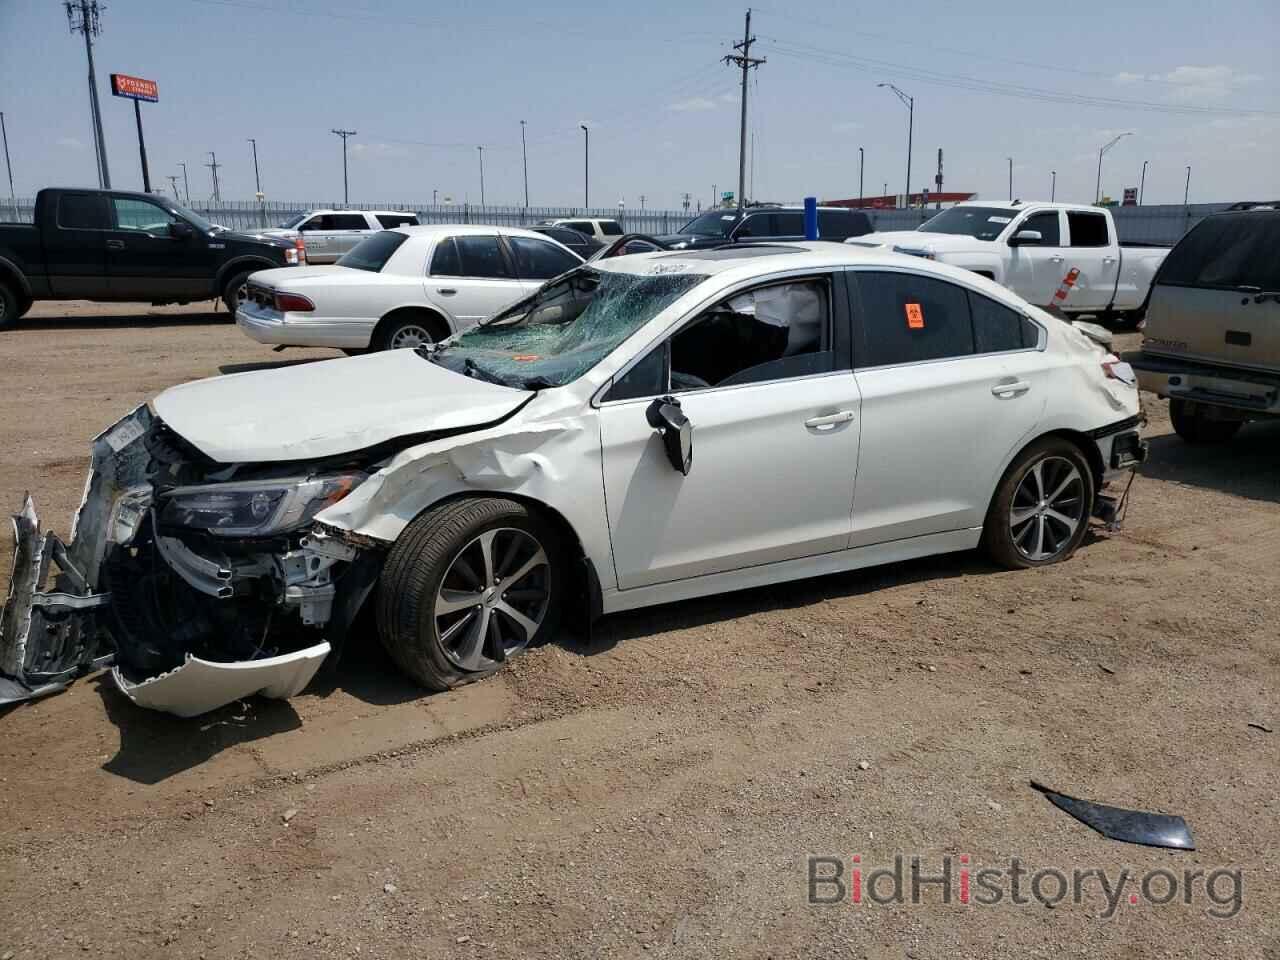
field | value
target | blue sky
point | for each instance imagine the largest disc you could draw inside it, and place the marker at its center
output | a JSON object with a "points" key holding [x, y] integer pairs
{"points": [[424, 84]]}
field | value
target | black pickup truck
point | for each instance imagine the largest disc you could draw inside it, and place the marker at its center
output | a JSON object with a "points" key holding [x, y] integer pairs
{"points": [[117, 246]]}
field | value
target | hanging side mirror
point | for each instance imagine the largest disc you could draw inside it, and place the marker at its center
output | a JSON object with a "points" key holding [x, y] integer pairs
{"points": [[665, 416]]}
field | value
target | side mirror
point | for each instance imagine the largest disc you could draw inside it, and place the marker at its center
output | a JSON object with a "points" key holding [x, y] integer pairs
{"points": [[665, 416], [1027, 238], [180, 230]]}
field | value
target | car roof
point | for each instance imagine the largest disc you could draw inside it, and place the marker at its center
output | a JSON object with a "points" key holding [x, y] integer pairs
{"points": [[428, 231]]}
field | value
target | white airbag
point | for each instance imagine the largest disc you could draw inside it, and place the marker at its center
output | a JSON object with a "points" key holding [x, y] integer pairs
{"points": [[199, 686]]}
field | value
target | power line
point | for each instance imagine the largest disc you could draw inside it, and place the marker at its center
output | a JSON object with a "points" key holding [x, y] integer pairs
{"points": [[745, 62]]}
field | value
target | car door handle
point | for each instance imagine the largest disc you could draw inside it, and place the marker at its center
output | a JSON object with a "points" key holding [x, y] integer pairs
{"points": [[446, 291], [829, 420], [115, 244], [1014, 389], [1055, 259], [1108, 259]]}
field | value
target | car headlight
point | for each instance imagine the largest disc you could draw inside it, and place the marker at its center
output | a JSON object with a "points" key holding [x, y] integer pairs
{"points": [[255, 509]]}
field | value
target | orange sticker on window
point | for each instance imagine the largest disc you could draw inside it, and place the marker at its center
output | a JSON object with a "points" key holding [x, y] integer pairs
{"points": [[525, 357], [915, 316]]}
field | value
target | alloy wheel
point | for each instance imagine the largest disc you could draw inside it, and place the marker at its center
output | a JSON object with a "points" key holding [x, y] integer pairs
{"points": [[1048, 508], [493, 598], [411, 335]]}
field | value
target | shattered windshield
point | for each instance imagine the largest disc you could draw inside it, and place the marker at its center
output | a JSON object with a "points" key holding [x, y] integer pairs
{"points": [[565, 329]]}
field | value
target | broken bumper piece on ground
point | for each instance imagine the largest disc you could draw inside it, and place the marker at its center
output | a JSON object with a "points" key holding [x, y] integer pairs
{"points": [[186, 632]]}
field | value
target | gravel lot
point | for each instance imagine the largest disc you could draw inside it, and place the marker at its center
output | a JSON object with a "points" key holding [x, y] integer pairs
{"points": [[658, 793]]}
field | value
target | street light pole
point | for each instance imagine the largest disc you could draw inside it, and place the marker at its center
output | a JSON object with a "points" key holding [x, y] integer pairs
{"points": [[911, 120], [257, 183], [13, 199], [862, 164], [524, 155], [1053, 185], [1142, 182], [186, 184], [586, 167], [1187, 190], [1011, 179], [1097, 192], [481, 151]]}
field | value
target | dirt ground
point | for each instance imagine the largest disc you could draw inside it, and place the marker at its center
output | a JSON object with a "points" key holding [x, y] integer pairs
{"points": [[658, 793]]}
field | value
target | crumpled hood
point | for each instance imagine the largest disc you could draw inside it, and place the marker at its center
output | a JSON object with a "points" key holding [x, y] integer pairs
{"points": [[313, 410], [916, 240]]}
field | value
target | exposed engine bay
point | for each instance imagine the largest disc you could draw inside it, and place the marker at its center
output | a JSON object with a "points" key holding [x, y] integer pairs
{"points": [[200, 582]]}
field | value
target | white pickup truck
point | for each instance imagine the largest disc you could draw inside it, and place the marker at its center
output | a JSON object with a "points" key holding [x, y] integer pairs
{"points": [[1031, 247]]}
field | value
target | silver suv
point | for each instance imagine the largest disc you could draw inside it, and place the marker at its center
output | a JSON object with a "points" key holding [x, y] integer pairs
{"points": [[1212, 337], [328, 234]]}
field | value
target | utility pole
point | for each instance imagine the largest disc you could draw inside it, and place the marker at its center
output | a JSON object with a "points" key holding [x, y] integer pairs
{"points": [[1142, 183], [13, 199], [1011, 179], [1186, 192], [173, 181], [344, 134], [257, 183], [862, 166], [214, 165], [586, 167], [84, 16], [524, 156], [687, 198], [938, 182], [433, 197], [1053, 185], [1097, 192], [910, 103], [744, 61], [186, 184], [642, 203], [481, 149]]}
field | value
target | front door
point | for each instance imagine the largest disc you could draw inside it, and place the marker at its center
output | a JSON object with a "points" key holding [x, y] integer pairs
{"points": [[1037, 269], [147, 262], [764, 379], [951, 381]]}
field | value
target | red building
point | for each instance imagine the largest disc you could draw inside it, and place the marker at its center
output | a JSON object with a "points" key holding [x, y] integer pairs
{"points": [[890, 201]]}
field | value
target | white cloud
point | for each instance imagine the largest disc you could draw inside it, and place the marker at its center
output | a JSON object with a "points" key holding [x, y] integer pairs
{"points": [[1193, 84], [71, 143], [845, 126], [693, 104], [377, 150]]}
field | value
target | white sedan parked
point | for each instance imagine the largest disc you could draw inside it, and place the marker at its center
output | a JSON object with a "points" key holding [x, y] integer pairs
{"points": [[401, 288], [640, 430]]}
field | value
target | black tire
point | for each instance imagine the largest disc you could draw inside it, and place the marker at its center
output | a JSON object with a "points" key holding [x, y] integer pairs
{"points": [[1193, 427], [231, 291], [426, 557], [355, 351], [426, 326], [11, 307], [1040, 537]]}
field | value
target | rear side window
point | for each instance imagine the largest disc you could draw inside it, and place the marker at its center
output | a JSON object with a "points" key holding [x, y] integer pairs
{"points": [[1230, 252], [570, 238], [390, 221], [348, 221], [611, 228], [834, 225], [996, 328], [482, 257], [1050, 231], [580, 226], [373, 252], [788, 224], [540, 260], [907, 318], [445, 262], [1087, 229], [82, 211]]}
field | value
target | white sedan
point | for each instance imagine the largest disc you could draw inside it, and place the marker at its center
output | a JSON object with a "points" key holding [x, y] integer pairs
{"points": [[401, 288], [640, 430]]}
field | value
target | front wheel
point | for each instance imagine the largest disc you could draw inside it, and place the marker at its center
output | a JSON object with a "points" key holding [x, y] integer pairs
{"points": [[1191, 424], [469, 584], [236, 291], [1040, 511]]}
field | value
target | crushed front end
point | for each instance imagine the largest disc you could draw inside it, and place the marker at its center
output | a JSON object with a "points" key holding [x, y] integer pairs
{"points": [[201, 582]]}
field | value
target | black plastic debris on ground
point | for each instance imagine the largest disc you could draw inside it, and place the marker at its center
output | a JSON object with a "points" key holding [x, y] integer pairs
{"points": [[1129, 826]]}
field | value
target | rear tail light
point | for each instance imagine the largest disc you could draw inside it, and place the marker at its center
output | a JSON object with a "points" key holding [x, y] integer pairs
{"points": [[298, 255], [293, 303]]}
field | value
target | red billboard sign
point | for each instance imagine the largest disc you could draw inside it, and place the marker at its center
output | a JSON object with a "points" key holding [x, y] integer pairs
{"points": [[135, 88]]}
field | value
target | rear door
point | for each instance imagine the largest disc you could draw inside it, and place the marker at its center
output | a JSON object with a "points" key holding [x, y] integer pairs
{"points": [[1093, 251], [472, 278], [75, 245], [951, 382], [345, 231], [1216, 294], [146, 262], [1036, 270]]}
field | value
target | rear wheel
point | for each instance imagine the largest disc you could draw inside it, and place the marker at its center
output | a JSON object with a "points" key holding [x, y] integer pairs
{"points": [[468, 584], [412, 330], [1040, 512], [235, 292], [1193, 426]]}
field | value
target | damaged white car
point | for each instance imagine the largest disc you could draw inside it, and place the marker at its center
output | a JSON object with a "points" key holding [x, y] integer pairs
{"points": [[640, 430]]}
